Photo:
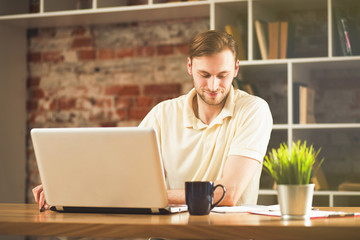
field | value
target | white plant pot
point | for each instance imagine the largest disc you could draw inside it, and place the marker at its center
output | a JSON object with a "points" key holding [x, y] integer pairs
{"points": [[295, 201]]}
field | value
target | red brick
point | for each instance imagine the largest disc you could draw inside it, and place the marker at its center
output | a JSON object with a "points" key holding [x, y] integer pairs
{"points": [[97, 116], [79, 31], [85, 55], [165, 50], [122, 114], [138, 113], [104, 103], [108, 124], [33, 82], [37, 93], [128, 52], [144, 101], [182, 48], [34, 57], [146, 51], [105, 54], [163, 98], [124, 102], [49, 107], [53, 105], [67, 104], [52, 56], [162, 89], [131, 90], [110, 115], [82, 42]]}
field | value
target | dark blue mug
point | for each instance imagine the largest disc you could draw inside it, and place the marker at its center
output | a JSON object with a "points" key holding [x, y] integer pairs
{"points": [[200, 197]]}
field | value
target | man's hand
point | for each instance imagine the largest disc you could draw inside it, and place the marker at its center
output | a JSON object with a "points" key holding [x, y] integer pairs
{"points": [[40, 197]]}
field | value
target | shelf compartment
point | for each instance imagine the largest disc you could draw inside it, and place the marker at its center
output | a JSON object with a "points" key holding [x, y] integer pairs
{"points": [[346, 26], [336, 91], [341, 150], [66, 5], [346, 201], [9, 7], [234, 14], [307, 26], [270, 83]]}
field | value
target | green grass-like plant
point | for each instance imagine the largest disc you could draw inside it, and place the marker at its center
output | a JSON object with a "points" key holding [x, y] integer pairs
{"points": [[293, 166]]}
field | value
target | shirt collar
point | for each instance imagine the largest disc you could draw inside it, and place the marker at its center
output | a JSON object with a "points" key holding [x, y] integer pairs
{"points": [[190, 120]]}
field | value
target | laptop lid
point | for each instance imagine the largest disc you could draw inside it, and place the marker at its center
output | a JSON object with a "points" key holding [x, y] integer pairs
{"points": [[100, 167]]}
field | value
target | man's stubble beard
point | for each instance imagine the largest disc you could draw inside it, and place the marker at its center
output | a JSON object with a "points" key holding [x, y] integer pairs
{"points": [[203, 98]]}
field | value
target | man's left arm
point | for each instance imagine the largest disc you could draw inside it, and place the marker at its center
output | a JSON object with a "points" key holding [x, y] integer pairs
{"points": [[238, 172]]}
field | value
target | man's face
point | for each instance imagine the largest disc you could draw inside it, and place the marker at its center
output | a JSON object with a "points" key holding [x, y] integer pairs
{"points": [[213, 76]]}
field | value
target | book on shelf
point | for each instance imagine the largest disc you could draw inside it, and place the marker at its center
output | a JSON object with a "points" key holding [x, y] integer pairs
{"points": [[261, 34], [274, 40], [283, 39], [347, 33], [303, 104], [235, 32], [349, 186]]}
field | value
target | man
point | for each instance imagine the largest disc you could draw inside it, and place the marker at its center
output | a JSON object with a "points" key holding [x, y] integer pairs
{"points": [[214, 133]]}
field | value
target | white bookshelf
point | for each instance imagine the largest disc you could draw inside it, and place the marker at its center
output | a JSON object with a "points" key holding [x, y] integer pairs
{"points": [[320, 199], [15, 19]]}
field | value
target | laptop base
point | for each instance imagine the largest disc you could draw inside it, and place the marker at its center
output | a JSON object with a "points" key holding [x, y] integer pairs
{"points": [[107, 210]]}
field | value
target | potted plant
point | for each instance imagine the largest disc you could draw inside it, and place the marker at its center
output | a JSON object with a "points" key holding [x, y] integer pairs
{"points": [[291, 169]]}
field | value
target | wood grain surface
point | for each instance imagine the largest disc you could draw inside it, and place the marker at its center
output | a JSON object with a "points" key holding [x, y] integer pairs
{"points": [[25, 219]]}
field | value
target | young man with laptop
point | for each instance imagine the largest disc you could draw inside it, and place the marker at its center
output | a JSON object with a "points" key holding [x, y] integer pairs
{"points": [[213, 133]]}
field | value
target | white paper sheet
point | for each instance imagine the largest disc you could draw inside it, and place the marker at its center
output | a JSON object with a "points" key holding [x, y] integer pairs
{"points": [[246, 209]]}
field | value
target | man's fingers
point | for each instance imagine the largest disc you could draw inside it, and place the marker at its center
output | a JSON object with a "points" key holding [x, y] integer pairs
{"points": [[42, 200], [46, 206], [36, 192]]}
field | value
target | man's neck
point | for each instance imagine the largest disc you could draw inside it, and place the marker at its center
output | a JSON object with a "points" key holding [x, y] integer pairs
{"points": [[205, 112]]}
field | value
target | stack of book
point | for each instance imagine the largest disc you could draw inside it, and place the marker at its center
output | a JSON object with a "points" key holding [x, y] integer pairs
{"points": [[273, 39]]}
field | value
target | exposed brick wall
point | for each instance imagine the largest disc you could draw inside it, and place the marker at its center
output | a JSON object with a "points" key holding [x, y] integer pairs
{"points": [[104, 75]]}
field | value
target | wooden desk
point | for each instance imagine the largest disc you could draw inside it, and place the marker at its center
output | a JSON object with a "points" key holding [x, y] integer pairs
{"points": [[25, 219]]}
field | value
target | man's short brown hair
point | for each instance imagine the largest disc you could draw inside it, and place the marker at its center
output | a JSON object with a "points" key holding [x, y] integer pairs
{"points": [[211, 42]]}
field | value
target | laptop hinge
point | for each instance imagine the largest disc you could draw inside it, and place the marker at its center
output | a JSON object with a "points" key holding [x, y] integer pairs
{"points": [[155, 210]]}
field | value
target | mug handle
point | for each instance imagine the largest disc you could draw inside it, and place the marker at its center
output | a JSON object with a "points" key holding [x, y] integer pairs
{"points": [[222, 197]]}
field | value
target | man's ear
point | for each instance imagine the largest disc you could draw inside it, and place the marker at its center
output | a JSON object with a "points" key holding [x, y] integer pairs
{"points": [[236, 68], [189, 65]]}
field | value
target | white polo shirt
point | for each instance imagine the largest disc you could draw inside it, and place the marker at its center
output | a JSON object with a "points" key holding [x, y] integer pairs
{"points": [[194, 151]]}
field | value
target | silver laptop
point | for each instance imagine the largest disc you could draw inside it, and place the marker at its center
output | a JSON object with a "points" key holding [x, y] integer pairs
{"points": [[102, 170]]}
